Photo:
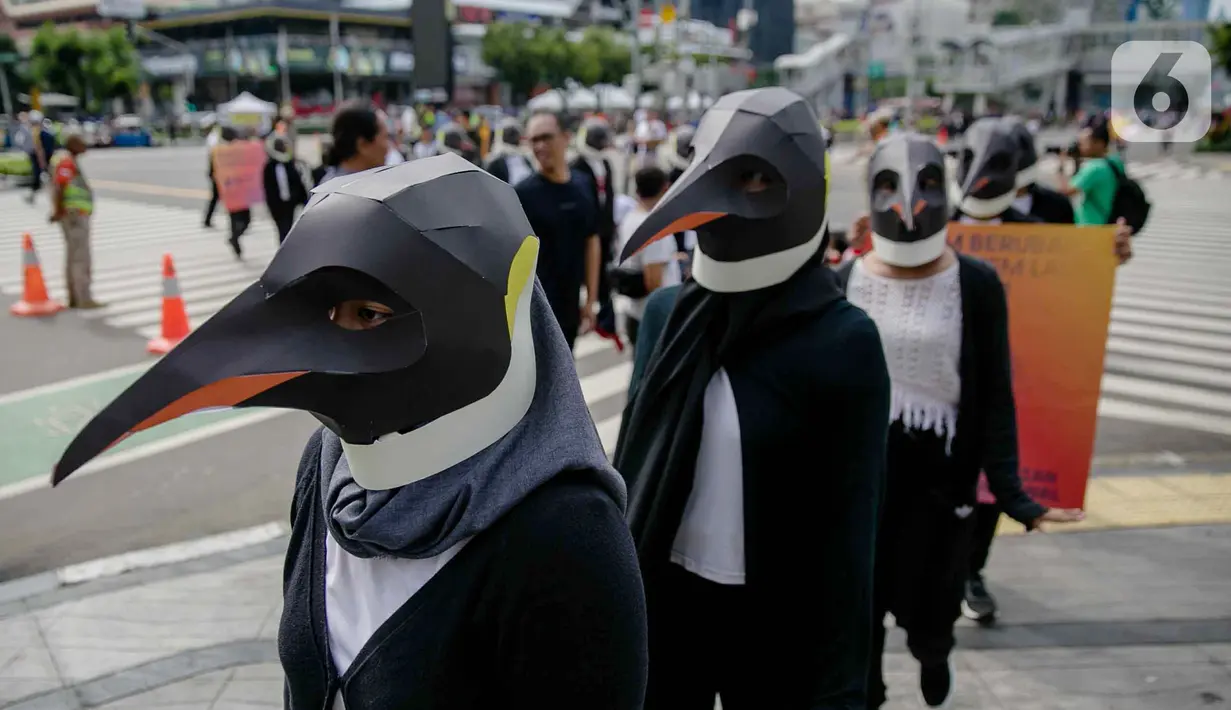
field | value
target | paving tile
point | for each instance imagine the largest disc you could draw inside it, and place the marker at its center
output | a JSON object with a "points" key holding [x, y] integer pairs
{"points": [[970, 693], [197, 693], [1142, 688], [1124, 657], [26, 665], [104, 633], [258, 686]]}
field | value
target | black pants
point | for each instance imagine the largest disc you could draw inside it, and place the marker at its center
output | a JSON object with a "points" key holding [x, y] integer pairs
{"points": [[987, 517], [631, 326], [36, 174], [922, 551], [284, 219], [213, 202], [699, 640], [239, 224]]}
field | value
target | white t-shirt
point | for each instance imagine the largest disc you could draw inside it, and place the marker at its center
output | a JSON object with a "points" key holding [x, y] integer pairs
{"points": [[660, 252]]}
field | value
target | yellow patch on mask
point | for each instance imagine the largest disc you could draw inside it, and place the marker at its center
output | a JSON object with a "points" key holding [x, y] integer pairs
{"points": [[520, 271], [828, 179]]}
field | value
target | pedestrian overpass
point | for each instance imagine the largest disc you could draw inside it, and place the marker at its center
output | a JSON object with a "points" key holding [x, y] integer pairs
{"points": [[1020, 66]]}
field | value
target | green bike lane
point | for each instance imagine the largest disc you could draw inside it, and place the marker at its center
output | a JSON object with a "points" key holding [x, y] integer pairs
{"points": [[56, 374]]}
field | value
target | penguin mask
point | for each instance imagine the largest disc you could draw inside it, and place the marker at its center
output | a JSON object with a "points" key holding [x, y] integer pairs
{"points": [[987, 171], [755, 192], [593, 138], [680, 154], [508, 138], [339, 325], [910, 208], [1027, 153]]}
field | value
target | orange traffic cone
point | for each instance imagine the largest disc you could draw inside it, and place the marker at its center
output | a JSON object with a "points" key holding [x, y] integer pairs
{"points": [[34, 300], [174, 317]]}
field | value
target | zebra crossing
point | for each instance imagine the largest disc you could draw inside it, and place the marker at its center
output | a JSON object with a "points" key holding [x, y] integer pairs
{"points": [[128, 243], [1167, 353], [1169, 346]]}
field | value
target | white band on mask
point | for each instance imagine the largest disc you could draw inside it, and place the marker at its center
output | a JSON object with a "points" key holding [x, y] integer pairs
{"points": [[755, 273], [1028, 176], [401, 459], [910, 254], [986, 209]]}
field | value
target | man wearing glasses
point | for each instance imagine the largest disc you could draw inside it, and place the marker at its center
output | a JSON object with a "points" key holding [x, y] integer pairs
{"points": [[562, 210]]}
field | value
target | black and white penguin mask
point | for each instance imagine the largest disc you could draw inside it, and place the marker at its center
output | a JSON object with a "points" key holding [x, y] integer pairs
{"points": [[1027, 153], [987, 170], [910, 207], [508, 135], [593, 137], [445, 375], [755, 192], [680, 143]]}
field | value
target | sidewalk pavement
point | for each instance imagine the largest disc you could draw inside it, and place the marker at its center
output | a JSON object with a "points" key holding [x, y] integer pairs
{"points": [[1108, 620]]}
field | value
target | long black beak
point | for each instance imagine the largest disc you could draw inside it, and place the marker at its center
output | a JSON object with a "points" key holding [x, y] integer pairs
{"points": [[689, 203], [233, 357]]}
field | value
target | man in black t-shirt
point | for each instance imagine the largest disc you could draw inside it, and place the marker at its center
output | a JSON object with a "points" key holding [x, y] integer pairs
{"points": [[562, 210]]}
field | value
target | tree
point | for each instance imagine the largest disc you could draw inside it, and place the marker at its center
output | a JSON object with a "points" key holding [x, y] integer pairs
{"points": [[17, 79], [506, 48], [1007, 18], [525, 55], [1220, 39], [92, 66]]}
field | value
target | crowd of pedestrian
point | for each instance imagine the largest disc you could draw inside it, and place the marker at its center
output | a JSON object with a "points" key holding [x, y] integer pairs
{"points": [[807, 447]]}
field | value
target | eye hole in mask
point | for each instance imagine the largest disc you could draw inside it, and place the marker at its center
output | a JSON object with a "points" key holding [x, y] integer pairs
{"points": [[931, 179], [968, 159], [885, 183], [350, 299], [757, 190]]}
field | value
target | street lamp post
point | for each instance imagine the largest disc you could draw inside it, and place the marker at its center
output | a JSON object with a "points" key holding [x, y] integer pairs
{"points": [[912, 59]]}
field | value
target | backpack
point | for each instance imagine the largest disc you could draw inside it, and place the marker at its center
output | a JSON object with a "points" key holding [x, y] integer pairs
{"points": [[1130, 201]]}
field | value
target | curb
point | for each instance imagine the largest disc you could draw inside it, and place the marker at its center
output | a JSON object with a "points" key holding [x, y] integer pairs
{"points": [[116, 565]]}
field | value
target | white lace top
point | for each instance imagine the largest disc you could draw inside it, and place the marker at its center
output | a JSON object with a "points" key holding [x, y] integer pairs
{"points": [[920, 323]]}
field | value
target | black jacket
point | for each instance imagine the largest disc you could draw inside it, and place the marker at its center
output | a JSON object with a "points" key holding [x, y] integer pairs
{"points": [[499, 165], [987, 416], [294, 180], [813, 406], [606, 204], [1009, 216], [543, 610], [1050, 206]]}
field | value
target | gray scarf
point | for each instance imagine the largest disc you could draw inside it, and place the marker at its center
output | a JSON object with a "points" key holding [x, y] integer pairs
{"points": [[429, 516]]}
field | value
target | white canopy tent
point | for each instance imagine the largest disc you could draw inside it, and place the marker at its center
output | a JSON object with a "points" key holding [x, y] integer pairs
{"points": [[551, 100], [247, 111]]}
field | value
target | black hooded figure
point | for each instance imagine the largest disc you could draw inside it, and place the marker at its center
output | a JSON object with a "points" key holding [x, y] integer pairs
{"points": [[987, 175], [753, 440], [1032, 198], [678, 156], [593, 142], [456, 532], [943, 320], [508, 160], [453, 138]]}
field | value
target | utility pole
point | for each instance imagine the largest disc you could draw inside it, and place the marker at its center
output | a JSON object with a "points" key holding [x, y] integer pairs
{"points": [[912, 62], [636, 60]]}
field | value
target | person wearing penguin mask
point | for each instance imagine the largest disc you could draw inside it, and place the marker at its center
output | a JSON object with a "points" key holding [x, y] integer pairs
{"points": [[943, 319], [508, 160], [453, 138], [1032, 198], [593, 141], [1052, 207], [456, 531], [987, 182], [753, 440], [678, 156]]}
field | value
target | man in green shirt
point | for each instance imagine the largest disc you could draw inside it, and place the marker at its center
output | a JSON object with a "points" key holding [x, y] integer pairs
{"points": [[1094, 186]]}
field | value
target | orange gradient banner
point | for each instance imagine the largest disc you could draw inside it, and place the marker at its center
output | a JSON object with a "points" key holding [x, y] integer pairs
{"points": [[1059, 281]]}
